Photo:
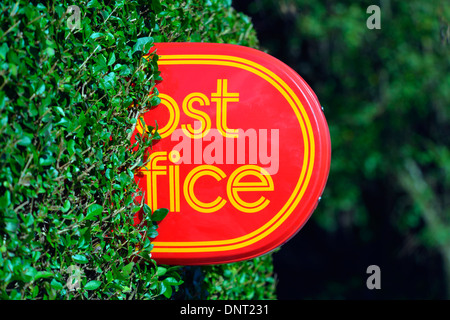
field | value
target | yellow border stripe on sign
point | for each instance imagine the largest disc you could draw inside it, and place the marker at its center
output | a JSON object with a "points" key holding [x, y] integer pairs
{"points": [[308, 161]]}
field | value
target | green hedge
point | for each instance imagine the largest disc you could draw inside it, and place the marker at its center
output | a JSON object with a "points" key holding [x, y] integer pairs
{"points": [[69, 99]]}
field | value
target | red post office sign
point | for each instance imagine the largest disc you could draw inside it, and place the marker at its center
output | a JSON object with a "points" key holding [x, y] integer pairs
{"points": [[243, 158]]}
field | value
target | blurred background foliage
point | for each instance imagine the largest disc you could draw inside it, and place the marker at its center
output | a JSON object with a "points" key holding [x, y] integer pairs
{"points": [[386, 95]]}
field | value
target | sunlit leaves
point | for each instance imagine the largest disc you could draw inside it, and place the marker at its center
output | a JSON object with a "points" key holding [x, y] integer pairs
{"points": [[67, 191]]}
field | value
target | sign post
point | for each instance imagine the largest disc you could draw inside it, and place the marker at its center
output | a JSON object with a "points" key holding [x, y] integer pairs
{"points": [[243, 158]]}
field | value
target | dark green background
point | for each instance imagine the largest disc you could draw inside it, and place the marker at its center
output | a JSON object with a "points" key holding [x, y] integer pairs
{"points": [[386, 98]]}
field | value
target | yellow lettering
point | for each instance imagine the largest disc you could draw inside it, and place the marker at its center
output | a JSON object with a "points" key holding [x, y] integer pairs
{"points": [[221, 98], [188, 188], [174, 188], [235, 185], [174, 117], [201, 116]]}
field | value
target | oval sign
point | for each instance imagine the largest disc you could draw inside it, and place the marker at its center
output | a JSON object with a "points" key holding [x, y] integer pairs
{"points": [[243, 158]]}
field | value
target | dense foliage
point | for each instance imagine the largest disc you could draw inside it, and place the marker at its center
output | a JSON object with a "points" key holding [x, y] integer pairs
{"points": [[386, 95], [69, 99]]}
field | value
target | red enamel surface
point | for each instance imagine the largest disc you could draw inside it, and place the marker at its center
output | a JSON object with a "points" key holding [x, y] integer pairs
{"points": [[273, 102]]}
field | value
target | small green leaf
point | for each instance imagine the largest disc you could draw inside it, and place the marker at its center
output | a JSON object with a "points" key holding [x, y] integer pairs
{"points": [[5, 200], [126, 270], [71, 147], [171, 281], [47, 161], [60, 111], [82, 119], [108, 174], [159, 214], [80, 258], [152, 233], [4, 50], [66, 206], [50, 51], [12, 225], [24, 141], [147, 209], [155, 101], [156, 6], [43, 274], [40, 90], [96, 35], [93, 4], [160, 271], [135, 209], [168, 290], [56, 285], [93, 211], [109, 81], [142, 44], [92, 285], [112, 59]]}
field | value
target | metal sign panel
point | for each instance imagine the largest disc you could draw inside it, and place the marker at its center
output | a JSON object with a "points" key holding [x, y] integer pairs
{"points": [[244, 155]]}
